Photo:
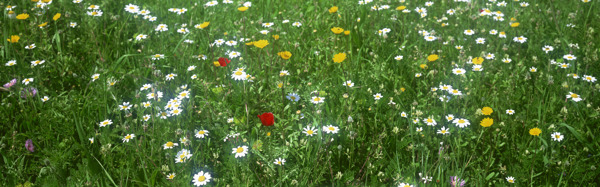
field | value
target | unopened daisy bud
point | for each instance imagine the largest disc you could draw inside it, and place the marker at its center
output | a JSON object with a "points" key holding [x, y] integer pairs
{"points": [[165, 168], [338, 176], [478, 112], [395, 130]]}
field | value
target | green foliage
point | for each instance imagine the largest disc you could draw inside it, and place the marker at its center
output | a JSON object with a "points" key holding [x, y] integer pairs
{"points": [[374, 144]]}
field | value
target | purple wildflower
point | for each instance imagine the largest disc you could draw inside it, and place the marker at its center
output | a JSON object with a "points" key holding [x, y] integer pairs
{"points": [[10, 84], [31, 91], [29, 145], [455, 181]]}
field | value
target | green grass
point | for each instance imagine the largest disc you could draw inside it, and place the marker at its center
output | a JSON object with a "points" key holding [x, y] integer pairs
{"points": [[376, 147]]}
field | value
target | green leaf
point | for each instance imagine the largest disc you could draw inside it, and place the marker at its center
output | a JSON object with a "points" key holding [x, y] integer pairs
{"points": [[490, 176]]}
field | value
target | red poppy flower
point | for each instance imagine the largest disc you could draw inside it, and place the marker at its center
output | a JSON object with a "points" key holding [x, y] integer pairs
{"points": [[267, 119], [223, 61]]}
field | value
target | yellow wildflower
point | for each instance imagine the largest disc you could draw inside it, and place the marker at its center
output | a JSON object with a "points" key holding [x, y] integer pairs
{"points": [[433, 57], [487, 122], [477, 60], [337, 30], [261, 43], [204, 25], [535, 131], [339, 58], [22, 16], [14, 39], [56, 16], [333, 9], [285, 55], [487, 111]]}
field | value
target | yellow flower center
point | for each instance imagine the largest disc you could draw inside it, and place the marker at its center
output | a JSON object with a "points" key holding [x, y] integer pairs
{"points": [[310, 132], [201, 132], [557, 136], [574, 96], [128, 137], [317, 99], [239, 150], [94, 13], [238, 73], [429, 120], [461, 121], [170, 144], [201, 179], [331, 128]]}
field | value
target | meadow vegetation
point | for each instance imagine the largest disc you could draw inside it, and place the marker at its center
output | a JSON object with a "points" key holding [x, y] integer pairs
{"points": [[299, 93]]}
